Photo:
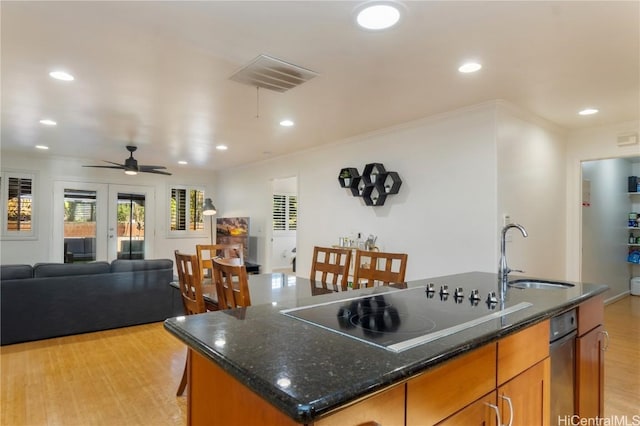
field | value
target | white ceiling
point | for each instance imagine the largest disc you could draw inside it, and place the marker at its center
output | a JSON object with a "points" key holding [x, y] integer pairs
{"points": [[156, 74]]}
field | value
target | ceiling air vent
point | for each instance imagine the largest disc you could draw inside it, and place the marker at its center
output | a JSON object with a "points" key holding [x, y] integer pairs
{"points": [[273, 74]]}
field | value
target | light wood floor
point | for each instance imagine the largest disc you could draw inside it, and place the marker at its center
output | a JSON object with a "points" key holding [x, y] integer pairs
{"points": [[622, 359], [129, 376]]}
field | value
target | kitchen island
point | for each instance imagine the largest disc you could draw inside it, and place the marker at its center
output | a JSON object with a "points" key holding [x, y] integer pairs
{"points": [[261, 366]]}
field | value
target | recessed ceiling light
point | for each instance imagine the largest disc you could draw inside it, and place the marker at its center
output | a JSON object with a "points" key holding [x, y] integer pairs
{"points": [[48, 122], [42, 147], [378, 16], [61, 75], [286, 123], [470, 67], [182, 162], [588, 111], [222, 147]]}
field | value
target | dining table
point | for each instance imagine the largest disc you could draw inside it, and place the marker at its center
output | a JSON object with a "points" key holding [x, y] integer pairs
{"points": [[270, 288]]}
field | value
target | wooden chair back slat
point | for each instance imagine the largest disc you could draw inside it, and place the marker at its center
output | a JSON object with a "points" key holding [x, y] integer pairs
{"points": [[232, 284], [330, 265], [190, 283], [378, 268], [206, 252]]}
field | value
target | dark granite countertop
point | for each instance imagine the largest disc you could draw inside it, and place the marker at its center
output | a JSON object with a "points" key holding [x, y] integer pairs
{"points": [[307, 371]]}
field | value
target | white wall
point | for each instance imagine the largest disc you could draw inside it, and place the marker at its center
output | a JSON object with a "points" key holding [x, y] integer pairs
{"points": [[50, 169], [445, 215], [604, 222], [531, 175], [588, 144]]}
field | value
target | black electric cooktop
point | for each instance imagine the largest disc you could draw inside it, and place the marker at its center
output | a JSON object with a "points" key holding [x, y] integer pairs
{"points": [[402, 319]]}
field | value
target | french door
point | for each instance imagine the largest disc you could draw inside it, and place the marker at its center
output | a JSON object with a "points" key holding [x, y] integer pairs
{"points": [[95, 221]]}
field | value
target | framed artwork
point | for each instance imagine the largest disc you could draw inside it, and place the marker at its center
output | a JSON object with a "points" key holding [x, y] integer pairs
{"points": [[233, 230]]}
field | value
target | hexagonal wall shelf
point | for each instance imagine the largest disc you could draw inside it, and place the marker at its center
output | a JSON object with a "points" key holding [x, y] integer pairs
{"points": [[374, 185]]}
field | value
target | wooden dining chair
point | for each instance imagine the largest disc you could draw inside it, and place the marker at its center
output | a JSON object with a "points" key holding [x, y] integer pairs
{"points": [[232, 284], [330, 265], [206, 252], [192, 297], [378, 268]]}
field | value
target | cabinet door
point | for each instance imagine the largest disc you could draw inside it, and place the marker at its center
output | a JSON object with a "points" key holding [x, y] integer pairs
{"points": [[386, 409], [443, 391], [525, 399], [590, 374], [478, 413]]}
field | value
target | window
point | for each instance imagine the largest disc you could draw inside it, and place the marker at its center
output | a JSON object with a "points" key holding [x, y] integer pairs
{"points": [[285, 212], [18, 195], [186, 211]]}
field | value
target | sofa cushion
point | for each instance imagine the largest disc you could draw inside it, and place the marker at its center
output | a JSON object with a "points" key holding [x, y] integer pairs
{"points": [[67, 269], [15, 272], [125, 265]]}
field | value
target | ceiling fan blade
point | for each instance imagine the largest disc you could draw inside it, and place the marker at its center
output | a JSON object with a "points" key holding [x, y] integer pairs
{"points": [[158, 172], [131, 165], [107, 167], [117, 164], [147, 168]]}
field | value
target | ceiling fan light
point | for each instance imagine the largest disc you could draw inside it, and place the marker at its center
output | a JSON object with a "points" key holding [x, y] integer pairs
{"points": [[130, 172]]}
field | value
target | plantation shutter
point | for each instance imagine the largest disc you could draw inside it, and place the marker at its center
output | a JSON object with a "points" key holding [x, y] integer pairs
{"points": [[178, 209], [279, 212]]}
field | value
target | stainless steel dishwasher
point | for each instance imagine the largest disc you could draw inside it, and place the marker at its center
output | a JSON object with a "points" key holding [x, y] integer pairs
{"points": [[562, 351]]}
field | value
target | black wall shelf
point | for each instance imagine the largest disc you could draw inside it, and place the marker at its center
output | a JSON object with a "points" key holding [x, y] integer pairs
{"points": [[374, 185]]}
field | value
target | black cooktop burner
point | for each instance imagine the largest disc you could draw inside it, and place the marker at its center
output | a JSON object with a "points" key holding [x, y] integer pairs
{"points": [[399, 320]]}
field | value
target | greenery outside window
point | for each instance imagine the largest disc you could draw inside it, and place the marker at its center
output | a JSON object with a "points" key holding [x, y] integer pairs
{"points": [[17, 214], [185, 211], [285, 212]]}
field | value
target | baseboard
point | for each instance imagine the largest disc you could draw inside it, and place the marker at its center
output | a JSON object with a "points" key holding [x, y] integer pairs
{"points": [[617, 297]]}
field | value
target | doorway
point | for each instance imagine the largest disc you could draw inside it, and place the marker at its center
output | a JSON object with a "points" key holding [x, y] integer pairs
{"points": [[606, 205], [284, 224]]}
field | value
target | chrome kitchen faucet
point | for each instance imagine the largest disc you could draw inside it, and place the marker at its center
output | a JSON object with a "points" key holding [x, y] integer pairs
{"points": [[503, 270]]}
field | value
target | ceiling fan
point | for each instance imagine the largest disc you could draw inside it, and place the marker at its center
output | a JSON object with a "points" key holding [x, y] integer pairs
{"points": [[131, 167]]}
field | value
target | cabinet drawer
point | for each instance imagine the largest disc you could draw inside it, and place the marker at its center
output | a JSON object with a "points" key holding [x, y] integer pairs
{"points": [[590, 314], [438, 393], [521, 350]]}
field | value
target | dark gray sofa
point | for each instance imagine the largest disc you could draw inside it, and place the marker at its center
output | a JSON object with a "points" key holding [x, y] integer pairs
{"points": [[56, 299]]}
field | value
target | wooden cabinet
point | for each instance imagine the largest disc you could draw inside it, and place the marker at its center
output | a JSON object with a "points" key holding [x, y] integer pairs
{"points": [[479, 413], [509, 378], [386, 408], [440, 392], [526, 397], [217, 398], [524, 377], [463, 391], [590, 346]]}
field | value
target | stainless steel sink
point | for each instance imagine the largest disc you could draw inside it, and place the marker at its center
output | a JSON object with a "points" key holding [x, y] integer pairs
{"points": [[540, 284]]}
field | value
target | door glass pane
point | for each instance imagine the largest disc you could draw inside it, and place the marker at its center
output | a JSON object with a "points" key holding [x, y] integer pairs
{"points": [[79, 225], [131, 226]]}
